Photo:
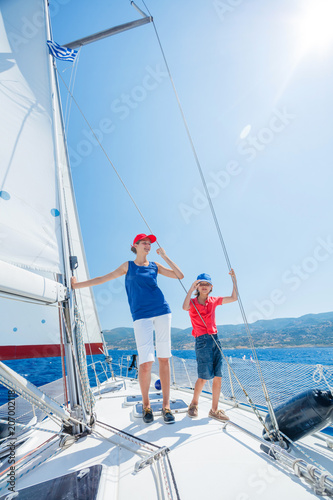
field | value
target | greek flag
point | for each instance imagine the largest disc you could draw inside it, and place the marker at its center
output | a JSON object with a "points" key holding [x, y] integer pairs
{"points": [[61, 53]]}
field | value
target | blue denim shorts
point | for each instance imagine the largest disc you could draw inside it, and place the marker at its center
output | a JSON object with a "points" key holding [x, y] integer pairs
{"points": [[209, 359]]}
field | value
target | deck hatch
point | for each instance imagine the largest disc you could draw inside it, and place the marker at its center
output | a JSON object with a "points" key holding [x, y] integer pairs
{"points": [[130, 400], [176, 406]]}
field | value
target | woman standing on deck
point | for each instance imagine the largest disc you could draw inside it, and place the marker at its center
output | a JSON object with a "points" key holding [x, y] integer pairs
{"points": [[149, 311]]}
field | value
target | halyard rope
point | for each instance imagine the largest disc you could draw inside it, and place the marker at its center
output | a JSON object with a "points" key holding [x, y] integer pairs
{"points": [[31, 399], [88, 398], [21, 463], [125, 435], [142, 443], [32, 427], [62, 350], [165, 477], [90, 402]]}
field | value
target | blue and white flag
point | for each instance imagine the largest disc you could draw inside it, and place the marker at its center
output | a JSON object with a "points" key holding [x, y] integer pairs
{"points": [[61, 53]]}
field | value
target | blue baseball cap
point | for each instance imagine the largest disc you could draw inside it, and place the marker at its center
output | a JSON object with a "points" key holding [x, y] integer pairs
{"points": [[205, 277]]}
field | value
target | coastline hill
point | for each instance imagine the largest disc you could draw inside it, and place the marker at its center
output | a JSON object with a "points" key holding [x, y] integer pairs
{"points": [[305, 331]]}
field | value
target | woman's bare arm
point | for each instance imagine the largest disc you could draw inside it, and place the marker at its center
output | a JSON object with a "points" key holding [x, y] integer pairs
{"points": [[120, 271], [174, 272]]}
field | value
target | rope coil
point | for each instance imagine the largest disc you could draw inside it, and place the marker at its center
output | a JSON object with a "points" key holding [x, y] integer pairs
{"points": [[319, 375], [81, 365]]}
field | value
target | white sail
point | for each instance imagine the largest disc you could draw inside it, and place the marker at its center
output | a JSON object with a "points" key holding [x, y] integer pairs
{"points": [[29, 207], [38, 216]]}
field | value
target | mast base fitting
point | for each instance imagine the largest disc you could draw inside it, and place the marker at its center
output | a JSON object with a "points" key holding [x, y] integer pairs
{"points": [[267, 449], [77, 413], [93, 419], [67, 441], [150, 459], [276, 438], [67, 428]]}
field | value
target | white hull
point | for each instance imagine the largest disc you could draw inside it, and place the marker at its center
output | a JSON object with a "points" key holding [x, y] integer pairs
{"points": [[208, 459]]}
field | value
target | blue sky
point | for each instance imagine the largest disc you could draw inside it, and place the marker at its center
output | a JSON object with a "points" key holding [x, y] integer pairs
{"points": [[255, 82]]}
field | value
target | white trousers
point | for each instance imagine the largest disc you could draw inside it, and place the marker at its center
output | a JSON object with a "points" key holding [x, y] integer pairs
{"points": [[144, 337]]}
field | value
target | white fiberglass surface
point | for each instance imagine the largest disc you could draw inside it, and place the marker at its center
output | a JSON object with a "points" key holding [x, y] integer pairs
{"points": [[207, 458]]}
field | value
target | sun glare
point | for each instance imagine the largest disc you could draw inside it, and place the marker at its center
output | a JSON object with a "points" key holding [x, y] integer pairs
{"points": [[315, 27], [245, 132]]}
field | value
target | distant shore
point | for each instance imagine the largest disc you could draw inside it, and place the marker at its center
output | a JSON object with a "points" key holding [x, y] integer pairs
{"points": [[133, 347], [311, 330]]}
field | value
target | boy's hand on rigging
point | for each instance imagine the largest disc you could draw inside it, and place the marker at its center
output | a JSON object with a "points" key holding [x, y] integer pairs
{"points": [[194, 285], [232, 274]]}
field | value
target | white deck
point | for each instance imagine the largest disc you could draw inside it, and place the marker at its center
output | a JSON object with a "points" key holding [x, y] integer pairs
{"points": [[208, 459]]}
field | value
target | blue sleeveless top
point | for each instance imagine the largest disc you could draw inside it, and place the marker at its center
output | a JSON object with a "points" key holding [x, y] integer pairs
{"points": [[144, 297]]}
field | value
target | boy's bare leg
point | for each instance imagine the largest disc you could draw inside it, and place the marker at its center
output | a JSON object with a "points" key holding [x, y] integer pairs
{"points": [[216, 392], [197, 390], [165, 380], [144, 380]]}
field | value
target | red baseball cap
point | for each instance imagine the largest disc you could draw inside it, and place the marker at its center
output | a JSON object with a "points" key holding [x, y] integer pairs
{"points": [[142, 236]]}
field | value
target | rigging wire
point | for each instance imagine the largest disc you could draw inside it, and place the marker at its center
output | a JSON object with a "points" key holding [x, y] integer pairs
{"points": [[71, 85], [217, 225], [105, 153], [251, 403], [112, 164], [144, 219], [62, 351], [270, 408], [19, 464], [140, 442]]}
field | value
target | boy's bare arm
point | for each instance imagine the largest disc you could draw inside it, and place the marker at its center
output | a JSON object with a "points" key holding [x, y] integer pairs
{"points": [[234, 295], [186, 305]]}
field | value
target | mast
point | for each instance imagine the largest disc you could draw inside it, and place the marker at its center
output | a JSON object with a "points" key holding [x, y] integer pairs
{"points": [[64, 176], [67, 318], [38, 217]]}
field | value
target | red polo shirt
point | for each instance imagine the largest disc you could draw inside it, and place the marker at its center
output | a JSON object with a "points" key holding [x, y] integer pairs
{"points": [[207, 313]]}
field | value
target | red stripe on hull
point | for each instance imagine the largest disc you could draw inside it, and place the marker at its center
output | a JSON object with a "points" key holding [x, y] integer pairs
{"points": [[40, 351]]}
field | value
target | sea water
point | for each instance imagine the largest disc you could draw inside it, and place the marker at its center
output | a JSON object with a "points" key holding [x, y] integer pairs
{"points": [[41, 371]]}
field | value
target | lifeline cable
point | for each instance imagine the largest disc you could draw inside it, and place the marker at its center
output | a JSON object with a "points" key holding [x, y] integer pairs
{"points": [[140, 442]]}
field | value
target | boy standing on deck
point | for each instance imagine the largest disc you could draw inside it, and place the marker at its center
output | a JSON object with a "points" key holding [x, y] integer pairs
{"points": [[207, 346]]}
